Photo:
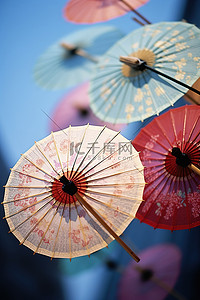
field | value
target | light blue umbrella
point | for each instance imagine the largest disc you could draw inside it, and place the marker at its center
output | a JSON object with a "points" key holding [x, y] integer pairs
{"points": [[71, 59], [131, 91]]}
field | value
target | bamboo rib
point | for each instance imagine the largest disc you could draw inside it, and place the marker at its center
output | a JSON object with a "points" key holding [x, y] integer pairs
{"points": [[104, 224], [194, 169]]}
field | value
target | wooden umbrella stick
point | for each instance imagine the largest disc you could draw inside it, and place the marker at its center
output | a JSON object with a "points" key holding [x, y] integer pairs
{"points": [[138, 21], [136, 12], [194, 169], [105, 225], [79, 52], [161, 284]]}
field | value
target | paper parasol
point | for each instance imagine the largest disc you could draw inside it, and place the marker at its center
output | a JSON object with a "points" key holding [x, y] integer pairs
{"points": [[74, 192], [170, 152], [95, 11], [71, 59], [74, 110], [155, 275], [120, 93]]}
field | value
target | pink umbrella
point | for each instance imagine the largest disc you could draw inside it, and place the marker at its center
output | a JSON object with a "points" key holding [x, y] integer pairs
{"points": [[93, 11], [74, 110], [154, 276]]}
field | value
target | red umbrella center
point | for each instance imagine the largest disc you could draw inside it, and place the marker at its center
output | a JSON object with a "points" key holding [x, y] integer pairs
{"points": [[64, 189], [176, 163]]}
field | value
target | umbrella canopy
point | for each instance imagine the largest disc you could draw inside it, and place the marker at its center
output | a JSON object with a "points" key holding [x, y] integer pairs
{"points": [[154, 276], [71, 59], [121, 93], [92, 11], [74, 110], [170, 147], [74, 192]]}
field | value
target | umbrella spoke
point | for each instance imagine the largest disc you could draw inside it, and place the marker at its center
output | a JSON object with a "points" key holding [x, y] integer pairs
{"points": [[75, 173], [27, 197], [57, 153], [77, 154], [112, 195], [56, 238], [31, 176], [37, 223], [36, 144], [37, 167], [28, 206], [157, 141], [109, 205], [82, 230], [105, 158], [29, 217], [45, 232]]}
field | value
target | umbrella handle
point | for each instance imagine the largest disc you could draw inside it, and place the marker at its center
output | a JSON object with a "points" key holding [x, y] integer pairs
{"points": [[162, 284], [105, 225], [136, 12], [194, 169], [79, 52]]}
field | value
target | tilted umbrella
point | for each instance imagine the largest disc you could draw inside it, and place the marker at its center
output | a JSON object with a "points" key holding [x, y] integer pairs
{"points": [[132, 91], [74, 192], [71, 59], [155, 275], [170, 151], [92, 11], [74, 110]]}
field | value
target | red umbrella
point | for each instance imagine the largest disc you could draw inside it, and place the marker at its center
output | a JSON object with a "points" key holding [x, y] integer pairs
{"points": [[154, 276], [74, 110], [170, 151], [92, 11]]}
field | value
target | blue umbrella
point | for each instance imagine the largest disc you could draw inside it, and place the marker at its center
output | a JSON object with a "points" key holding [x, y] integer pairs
{"points": [[146, 72], [71, 59]]}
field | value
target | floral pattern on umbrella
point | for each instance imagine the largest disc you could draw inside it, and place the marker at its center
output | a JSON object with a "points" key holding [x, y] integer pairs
{"points": [[48, 187], [172, 193]]}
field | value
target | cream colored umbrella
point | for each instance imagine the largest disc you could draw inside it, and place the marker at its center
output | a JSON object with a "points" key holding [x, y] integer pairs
{"points": [[74, 192]]}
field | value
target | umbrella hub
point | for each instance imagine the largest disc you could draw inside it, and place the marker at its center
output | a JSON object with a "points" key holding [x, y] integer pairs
{"points": [[146, 274], [70, 48], [68, 186], [83, 112], [182, 159]]}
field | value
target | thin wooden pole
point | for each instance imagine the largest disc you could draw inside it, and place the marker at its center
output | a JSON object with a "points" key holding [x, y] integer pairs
{"points": [[105, 225], [136, 12], [194, 169], [79, 52]]}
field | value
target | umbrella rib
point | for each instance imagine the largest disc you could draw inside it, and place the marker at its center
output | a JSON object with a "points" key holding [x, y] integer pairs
{"points": [[107, 176], [37, 166], [57, 152], [159, 143], [23, 198], [36, 144], [163, 131], [38, 222], [173, 125], [107, 157], [24, 208], [82, 230], [45, 232], [31, 176], [53, 251], [74, 176], [186, 199], [111, 166], [183, 130], [136, 12], [25, 186], [192, 130], [115, 184], [81, 143], [110, 206], [151, 149], [106, 226], [97, 155], [113, 195], [68, 150], [30, 216]]}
